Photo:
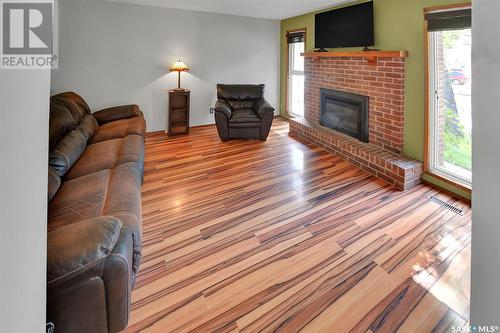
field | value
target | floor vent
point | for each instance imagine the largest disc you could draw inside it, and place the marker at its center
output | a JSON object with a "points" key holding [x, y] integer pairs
{"points": [[446, 205]]}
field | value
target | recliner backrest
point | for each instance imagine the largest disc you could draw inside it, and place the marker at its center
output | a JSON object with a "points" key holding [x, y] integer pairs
{"points": [[240, 92], [240, 96]]}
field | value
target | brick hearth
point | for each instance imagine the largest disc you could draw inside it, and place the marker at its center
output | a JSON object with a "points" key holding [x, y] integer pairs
{"points": [[400, 171], [383, 83]]}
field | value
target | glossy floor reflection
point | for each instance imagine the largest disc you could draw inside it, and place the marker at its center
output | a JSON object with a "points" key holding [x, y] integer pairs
{"points": [[251, 236]]}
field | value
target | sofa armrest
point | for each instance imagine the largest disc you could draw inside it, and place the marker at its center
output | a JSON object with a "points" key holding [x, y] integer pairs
{"points": [[117, 276], [116, 113], [80, 249], [261, 107], [223, 107]]}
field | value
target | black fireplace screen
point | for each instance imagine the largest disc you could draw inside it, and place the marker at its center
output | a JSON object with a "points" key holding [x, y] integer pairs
{"points": [[344, 112]]}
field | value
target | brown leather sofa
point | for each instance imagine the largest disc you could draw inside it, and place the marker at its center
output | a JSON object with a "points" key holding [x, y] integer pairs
{"points": [[242, 112], [96, 163]]}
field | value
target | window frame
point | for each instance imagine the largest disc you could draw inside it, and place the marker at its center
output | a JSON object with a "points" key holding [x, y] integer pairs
{"points": [[439, 174], [287, 67]]}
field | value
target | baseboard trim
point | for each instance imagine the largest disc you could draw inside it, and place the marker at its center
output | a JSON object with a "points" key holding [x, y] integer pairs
{"points": [[207, 125], [453, 194], [153, 133]]}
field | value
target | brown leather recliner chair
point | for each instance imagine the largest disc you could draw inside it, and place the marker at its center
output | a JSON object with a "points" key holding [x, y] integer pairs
{"points": [[96, 163], [242, 112]]}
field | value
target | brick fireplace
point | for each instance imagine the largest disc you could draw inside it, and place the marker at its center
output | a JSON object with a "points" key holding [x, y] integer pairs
{"points": [[381, 81]]}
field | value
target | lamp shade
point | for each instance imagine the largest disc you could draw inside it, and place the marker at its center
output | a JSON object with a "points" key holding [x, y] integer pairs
{"points": [[179, 66]]}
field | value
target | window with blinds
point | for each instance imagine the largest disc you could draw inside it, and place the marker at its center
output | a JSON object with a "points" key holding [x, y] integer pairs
{"points": [[449, 112]]}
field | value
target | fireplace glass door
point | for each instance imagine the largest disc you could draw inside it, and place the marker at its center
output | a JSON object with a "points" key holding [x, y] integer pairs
{"points": [[344, 112]]}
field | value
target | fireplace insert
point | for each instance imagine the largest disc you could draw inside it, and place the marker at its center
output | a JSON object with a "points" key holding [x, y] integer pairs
{"points": [[344, 112]]}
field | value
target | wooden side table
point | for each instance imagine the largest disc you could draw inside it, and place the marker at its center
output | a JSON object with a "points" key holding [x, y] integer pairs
{"points": [[178, 111]]}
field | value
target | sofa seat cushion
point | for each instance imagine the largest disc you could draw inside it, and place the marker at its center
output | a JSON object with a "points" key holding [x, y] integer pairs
{"points": [[244, 116], [108, 154], [120, 128], [114, 192]]}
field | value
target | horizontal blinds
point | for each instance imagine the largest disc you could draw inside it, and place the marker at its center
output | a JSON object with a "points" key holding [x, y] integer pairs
{"points": [[295, 37], [449, 20]]}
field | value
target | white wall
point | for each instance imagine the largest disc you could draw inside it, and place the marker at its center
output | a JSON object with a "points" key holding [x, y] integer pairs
{"points": [[24, 120], [485, 303], [114, 53]]}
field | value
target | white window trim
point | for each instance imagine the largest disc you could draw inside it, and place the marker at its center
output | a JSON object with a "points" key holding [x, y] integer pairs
{"points": [[433, 119], [290, 73]]}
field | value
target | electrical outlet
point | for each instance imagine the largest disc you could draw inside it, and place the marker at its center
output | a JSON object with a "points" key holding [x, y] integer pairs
{"points": [[212, 110]]}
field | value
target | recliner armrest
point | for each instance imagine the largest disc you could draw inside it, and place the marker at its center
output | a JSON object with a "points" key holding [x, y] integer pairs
{"points": [[224, 107], [261, 107], [80, 249], [116, 113]]}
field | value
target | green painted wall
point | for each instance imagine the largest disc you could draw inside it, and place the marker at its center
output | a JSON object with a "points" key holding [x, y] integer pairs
{"points": [[399, 25]]}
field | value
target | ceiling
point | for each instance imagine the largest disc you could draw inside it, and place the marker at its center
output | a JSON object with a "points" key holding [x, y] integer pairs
{"points": [[269, 9]]}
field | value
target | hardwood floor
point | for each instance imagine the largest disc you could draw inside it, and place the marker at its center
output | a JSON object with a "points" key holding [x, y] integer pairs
{"points": [[281, 236]]}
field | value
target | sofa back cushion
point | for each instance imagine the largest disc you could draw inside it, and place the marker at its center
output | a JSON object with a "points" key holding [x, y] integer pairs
{"points": [[76, 111], [71, 127], [67, 152], [54, 183], [88, 127], [74, 98], [240, 92], [67, 112], [61, 122]]}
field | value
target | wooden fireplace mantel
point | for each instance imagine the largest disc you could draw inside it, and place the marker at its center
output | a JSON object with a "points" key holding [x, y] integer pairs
{"points": [[370, 56]]}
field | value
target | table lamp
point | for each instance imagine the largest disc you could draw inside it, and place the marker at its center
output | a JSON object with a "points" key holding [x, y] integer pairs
{"points": [[179, 67]]}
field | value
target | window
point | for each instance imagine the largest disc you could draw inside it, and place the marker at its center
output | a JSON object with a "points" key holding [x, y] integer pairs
{"points": [[449, 146], [295, 82]]}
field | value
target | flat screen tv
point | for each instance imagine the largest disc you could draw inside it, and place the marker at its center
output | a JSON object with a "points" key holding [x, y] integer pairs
{"points": [[345, 27]]}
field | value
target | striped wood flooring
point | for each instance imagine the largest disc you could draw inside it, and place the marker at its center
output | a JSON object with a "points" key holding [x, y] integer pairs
{"points": [[281, 236]]}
